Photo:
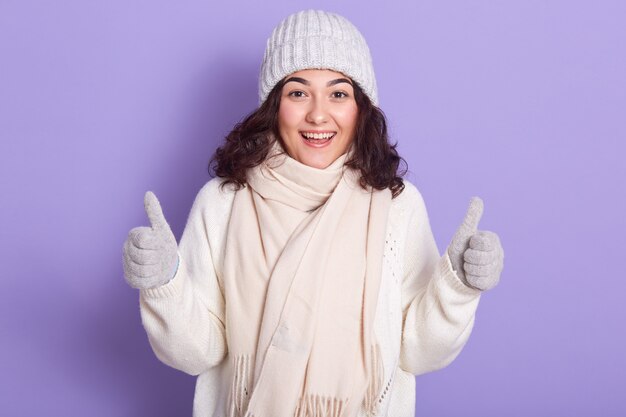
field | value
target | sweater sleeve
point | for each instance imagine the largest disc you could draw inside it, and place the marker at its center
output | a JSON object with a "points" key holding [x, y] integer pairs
{"points": [[184, 318], [438, 309]]}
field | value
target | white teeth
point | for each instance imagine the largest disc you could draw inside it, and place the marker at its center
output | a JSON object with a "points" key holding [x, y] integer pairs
{"points": [[317, 135]]}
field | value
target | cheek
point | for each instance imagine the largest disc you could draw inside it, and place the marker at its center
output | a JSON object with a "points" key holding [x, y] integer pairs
{"points": [[348, 117], [288, 116]]}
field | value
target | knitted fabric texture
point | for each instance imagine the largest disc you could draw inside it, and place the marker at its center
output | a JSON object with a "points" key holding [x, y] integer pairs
{"points": [[317, 39], [302, 269], [423, 319]]}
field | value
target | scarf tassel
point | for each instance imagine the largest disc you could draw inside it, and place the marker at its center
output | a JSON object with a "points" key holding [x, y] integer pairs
{"points": [[310, 405], [320, 406], [371, 401], [240, 394]]}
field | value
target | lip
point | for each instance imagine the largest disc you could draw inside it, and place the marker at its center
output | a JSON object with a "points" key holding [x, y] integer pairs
{"points": [[318, 145]]}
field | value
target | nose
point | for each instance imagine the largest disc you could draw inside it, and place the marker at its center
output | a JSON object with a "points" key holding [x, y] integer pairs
{"points": [[317, 113]]}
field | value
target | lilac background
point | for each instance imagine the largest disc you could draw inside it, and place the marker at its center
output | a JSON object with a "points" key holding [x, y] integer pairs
{"points": [[520, 102]]}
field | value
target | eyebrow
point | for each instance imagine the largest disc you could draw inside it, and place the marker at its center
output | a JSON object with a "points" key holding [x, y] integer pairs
{"points": [[328, 84]]}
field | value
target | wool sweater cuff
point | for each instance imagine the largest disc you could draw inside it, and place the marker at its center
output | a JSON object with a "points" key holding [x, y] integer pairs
{"points": [[450, 277], [172, 288]]}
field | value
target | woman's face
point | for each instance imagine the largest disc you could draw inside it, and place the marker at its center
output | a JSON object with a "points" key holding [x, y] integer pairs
{"points": [[317, 116]]}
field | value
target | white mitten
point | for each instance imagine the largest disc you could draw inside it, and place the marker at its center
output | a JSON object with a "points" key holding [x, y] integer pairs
{"points": [[150, 253], [476, 255]]}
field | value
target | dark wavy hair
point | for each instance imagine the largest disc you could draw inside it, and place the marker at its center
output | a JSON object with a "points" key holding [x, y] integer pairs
{"points": [[374, 156]]}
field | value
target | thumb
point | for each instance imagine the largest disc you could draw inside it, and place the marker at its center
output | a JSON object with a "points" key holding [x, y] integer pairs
{"points": [[470, 222], [154, 211]]}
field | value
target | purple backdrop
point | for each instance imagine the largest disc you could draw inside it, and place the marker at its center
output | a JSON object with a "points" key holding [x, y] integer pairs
{"points": [[521, 102]]}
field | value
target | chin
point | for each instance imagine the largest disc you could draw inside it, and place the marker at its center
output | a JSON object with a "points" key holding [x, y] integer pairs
{"points": [[316, 161], [316, 158]]}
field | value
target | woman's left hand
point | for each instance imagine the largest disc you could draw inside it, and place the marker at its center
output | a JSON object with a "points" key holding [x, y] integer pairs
{"points": [[476, 255]]}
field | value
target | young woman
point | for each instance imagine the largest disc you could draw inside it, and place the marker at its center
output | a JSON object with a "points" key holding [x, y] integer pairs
{"points": [[307, 281]]}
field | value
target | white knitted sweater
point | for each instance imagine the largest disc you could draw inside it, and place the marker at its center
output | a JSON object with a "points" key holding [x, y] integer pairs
{"points": [[424, 316]]}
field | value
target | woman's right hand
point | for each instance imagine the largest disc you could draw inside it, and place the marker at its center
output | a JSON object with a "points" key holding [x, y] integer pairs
{"points": [[150, 253]]}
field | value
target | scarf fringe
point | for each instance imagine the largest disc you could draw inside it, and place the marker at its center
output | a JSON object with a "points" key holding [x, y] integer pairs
{"points": [[372, 400], [317, 406], [310, 405], [320, 406], [240, 393]]}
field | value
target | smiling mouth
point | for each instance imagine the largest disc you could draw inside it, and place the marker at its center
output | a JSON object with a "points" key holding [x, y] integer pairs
{"points": [[318, 138]]}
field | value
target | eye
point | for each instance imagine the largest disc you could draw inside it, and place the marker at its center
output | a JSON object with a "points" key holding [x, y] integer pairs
{"points": [[339, 94], [296, 93]]}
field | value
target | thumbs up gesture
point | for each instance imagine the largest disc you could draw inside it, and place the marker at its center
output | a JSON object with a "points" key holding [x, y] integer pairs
{"points": [[150, 253], [476, 255]]}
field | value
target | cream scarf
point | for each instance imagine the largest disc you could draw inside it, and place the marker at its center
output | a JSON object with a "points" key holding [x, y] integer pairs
{"points": [[302, 271]]}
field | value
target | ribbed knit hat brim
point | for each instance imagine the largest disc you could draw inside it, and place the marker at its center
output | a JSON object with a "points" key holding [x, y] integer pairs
{"points": [[315, 39]]}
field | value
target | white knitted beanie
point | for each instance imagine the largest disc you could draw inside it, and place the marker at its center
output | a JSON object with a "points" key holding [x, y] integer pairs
{"points": [[317, 39]]}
